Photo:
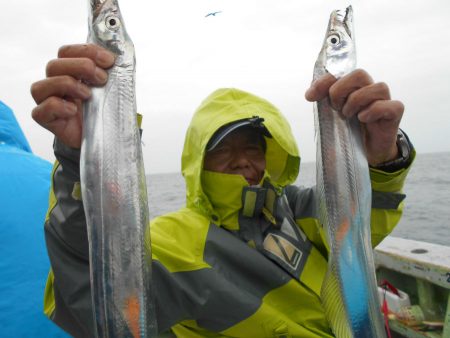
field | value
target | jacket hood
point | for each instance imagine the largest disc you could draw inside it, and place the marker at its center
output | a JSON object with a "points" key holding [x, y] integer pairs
{"points": [[10, 132], [222, 107]]}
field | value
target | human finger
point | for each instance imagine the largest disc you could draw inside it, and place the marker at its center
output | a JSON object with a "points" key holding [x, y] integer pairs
{"points": [[62, 118], [102, 57], [365, 96], [80, 68], [349, 83], [319, 88], [60, 86], [53, 108], [382, 110]]}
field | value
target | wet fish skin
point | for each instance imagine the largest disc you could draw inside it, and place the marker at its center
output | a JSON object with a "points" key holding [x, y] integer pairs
{"points": [[349, 293], [114, 189]]}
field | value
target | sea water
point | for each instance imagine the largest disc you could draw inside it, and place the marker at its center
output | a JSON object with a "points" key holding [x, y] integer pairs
{"points": [[426, 215]]}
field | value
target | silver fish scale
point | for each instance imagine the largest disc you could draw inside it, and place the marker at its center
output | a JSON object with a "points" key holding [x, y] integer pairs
{"points": [[114, 189], [349, 292]]}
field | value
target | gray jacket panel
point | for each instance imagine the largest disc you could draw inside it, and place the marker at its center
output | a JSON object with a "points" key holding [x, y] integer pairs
{"points": [[67, 246]]}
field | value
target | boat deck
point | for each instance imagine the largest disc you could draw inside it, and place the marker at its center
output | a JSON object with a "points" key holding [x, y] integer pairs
{"points": [[422, 271]]}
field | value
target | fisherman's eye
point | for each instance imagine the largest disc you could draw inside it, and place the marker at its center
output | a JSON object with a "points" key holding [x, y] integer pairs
{"points": [[112, 22], [334, 39], [254, 149], [220, 151]]}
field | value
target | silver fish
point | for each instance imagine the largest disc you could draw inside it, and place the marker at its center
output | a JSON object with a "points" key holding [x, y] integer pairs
{"points": [[114, 189], [349, 292]]}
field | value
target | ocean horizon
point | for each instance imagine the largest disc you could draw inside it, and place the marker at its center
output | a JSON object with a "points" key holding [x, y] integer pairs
{"points": [[425, 216]]}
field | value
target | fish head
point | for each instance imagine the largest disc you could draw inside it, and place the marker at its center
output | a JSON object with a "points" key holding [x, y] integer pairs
{"points": [[106, 26], [338, 54]]}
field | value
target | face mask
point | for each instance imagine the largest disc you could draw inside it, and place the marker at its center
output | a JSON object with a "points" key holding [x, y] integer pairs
{"points": [[224, 191]]}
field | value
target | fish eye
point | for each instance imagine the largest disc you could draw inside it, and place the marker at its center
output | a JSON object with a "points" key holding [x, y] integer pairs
{"points": [[112, 22], [334, 39]]}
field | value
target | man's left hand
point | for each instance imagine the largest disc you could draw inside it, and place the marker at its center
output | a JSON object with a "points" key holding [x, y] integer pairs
{"points": [[357, 94]]}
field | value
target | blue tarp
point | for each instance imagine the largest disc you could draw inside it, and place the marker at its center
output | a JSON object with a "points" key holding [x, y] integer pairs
{"points": [[24, 264]]}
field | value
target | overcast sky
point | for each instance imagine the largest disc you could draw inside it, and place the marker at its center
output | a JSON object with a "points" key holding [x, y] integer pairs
{"points": [[267, 47]]}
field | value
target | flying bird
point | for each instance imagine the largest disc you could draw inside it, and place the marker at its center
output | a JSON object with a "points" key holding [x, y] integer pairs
{"points": [[212, 14]]}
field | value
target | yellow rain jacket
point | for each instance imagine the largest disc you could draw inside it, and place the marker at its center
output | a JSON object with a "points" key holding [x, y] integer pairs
{"points": [[242, 261], [237, 260]]}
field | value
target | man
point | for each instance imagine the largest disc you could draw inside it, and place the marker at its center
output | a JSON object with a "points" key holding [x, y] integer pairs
{"points": [[246, 256]]}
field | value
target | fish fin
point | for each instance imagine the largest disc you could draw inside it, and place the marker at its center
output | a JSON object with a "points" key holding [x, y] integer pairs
{"points": [[335, 311], [132, 312]]}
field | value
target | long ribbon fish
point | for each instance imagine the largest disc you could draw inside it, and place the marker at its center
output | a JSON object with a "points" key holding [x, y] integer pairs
{"points": [[349, 293], [114, 189]]}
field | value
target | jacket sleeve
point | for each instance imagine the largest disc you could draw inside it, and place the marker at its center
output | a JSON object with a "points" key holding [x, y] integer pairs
{"points": [[67, 299], [387, 201], [387, 206]]}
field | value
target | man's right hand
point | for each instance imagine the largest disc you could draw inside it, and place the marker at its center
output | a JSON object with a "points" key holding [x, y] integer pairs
{"points": [[60, 96]]}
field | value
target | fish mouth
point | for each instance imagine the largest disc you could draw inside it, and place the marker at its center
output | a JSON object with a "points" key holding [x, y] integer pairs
{"points": [[343, 18], [97, 5]]}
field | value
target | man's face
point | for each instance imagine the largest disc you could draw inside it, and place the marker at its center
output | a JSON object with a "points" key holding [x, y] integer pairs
{"points": [[240, 153]]}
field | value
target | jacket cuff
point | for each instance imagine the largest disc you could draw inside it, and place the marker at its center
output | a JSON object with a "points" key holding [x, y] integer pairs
{"points": [[63, 152], [390, 182]]}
